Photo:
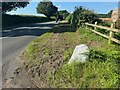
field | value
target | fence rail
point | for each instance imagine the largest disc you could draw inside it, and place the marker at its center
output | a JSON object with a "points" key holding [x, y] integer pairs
{"points": [[111, 33]]}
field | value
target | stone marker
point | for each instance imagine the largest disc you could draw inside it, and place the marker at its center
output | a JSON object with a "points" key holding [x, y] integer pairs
{"points": [[79, 53]]}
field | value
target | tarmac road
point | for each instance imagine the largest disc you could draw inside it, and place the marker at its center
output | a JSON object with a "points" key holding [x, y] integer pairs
{"points": [[14, 42]]}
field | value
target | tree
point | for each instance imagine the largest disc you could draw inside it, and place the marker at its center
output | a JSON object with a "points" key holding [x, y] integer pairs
{"points": [[64, 13], [9, 6], [46, 8]]}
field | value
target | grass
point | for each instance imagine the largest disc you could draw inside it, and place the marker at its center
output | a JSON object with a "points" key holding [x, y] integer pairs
{"points": [[52, 51], [96, 73], [100, 71], [34, 47], [12, 20]]}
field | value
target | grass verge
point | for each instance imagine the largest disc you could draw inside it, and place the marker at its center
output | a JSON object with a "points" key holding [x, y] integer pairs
{"points": [[47, 58]]}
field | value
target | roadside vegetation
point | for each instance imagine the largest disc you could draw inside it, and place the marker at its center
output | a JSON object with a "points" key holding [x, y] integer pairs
{"points": [[47, 8], [47, 58], [100, 70], [13, 20], [82, 15]]}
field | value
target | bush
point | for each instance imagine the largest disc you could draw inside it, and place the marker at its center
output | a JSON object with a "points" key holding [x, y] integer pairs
{"points": [[82, 15]]}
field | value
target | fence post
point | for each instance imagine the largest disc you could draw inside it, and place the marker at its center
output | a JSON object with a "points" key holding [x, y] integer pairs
{"points": [[95, 24], [111, 34]]}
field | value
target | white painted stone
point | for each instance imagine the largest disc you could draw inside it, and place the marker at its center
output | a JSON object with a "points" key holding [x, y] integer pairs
{"points": [[79, 53]]}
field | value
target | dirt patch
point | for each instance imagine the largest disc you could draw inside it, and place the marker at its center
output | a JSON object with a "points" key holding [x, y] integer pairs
{"points": [[51, 56]]}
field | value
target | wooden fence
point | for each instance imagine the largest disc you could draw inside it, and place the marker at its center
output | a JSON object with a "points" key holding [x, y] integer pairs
{"points": [[111, 30]]}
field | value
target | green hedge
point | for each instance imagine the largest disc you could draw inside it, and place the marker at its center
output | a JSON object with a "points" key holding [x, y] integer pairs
{"points": [[11, 20]]}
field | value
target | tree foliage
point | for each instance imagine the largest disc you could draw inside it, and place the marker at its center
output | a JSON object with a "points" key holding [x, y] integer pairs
{"points": [[9, 6], [82, 15], [64, 13], [46, 8]]}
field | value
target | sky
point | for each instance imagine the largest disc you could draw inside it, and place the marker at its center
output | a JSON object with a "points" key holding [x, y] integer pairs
{"points": [[98, 7]]}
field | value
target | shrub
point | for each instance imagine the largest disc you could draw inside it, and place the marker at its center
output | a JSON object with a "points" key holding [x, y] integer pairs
{"points": [[82, 15]]}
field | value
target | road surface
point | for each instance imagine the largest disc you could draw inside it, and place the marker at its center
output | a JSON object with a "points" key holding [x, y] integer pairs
{"points": [[14, 42]]}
